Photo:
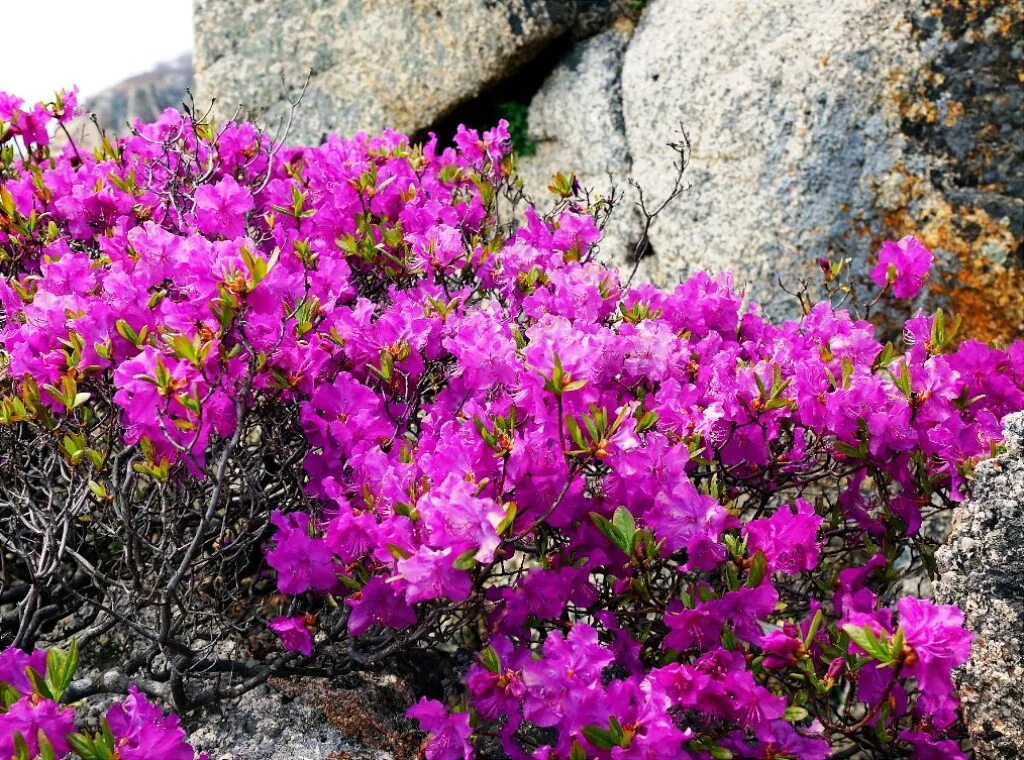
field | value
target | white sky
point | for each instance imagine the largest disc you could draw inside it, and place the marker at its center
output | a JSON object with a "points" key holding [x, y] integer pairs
{"points": [[49, 44]]}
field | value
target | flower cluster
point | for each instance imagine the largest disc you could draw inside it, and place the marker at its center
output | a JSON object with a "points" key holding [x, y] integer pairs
{"points": [[33, 723], [666, 525]]}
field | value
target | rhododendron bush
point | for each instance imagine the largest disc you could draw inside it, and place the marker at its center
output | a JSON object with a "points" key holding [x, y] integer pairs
{"points": [[330, 394]]}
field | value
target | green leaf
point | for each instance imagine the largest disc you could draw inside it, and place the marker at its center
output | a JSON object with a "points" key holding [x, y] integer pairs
{"points": [[866, 639], [83, 746], [60, 669], [510, 516], [38, 684], [608, 530], [45, 748], [8, 695], [598, 737], [758, 569], [466, 560], [490, 660], [794, 714], [625, 526], [21, 751], [813, 630]]}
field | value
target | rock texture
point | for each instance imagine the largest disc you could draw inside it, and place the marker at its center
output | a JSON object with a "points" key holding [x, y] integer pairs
{"points": [[575, 121], [309, 719], [821, 128], [387, 63], [982, 571]]}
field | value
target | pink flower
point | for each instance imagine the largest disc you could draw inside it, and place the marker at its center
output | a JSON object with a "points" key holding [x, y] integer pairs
{"points": [[301, 562], [28, 716], [449, 732], [904, 265], [13, 664], [787, 538], [143, 732], [938, 642], [378, 604], [221, 208], [294, 634]]}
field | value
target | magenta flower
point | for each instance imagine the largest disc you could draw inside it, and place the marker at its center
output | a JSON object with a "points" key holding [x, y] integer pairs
{"points": [[143, 732], [937, 642], [788, 538], [13, 664], [430, 574], [904, 265], [30, 715], [449, 732], [221, 208], [294, 634], [378, 604], [301, 562]]}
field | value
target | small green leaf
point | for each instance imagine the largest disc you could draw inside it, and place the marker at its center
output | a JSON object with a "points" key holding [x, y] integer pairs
{"points": [[598, 737], [466, 560], [758, 569], [491, 661], [794, 714]]}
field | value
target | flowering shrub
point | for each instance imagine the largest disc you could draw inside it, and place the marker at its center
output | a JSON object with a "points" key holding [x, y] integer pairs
{"points": [[33, 723], [663, 525]]}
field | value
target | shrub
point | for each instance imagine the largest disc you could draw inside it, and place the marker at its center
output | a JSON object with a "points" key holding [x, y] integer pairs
{"points": [[663, 525]]}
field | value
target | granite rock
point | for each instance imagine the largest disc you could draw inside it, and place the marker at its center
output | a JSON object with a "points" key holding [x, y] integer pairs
{"points": [[789, 122], [389, 63], [981, 570], [820, 129], [575, 122]]}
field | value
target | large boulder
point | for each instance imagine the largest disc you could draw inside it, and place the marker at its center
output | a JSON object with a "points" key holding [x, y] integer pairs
{"points": [[575, 123], [388, 63], [982, 572], [820, 129]]}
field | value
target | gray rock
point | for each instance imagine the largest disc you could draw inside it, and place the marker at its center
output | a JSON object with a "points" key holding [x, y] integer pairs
{"points": [[575, 120], [820, 129], [265, 725], [388, 63], [786, 108], [982, 571]]}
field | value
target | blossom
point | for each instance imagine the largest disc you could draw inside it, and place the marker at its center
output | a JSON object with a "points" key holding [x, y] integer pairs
{"points": [[904, 265], [142, 732], [938, 642], [294, 634], [301, 561], [475, 430], [378, 604], [13, 665], [449, 732], [29, 717], [221, 208], [788, 538]]}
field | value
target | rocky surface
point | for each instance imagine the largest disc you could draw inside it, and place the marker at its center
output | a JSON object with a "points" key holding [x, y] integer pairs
{"points": [[390, 63], [821, 128], [575, 121], [308, 719], [982, 571]]}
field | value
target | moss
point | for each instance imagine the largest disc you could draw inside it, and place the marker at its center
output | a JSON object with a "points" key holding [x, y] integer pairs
{"points": [[518, 127]]}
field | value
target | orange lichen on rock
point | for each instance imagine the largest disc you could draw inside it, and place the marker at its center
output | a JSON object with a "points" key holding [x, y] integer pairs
{"points": [[986, 284]]}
